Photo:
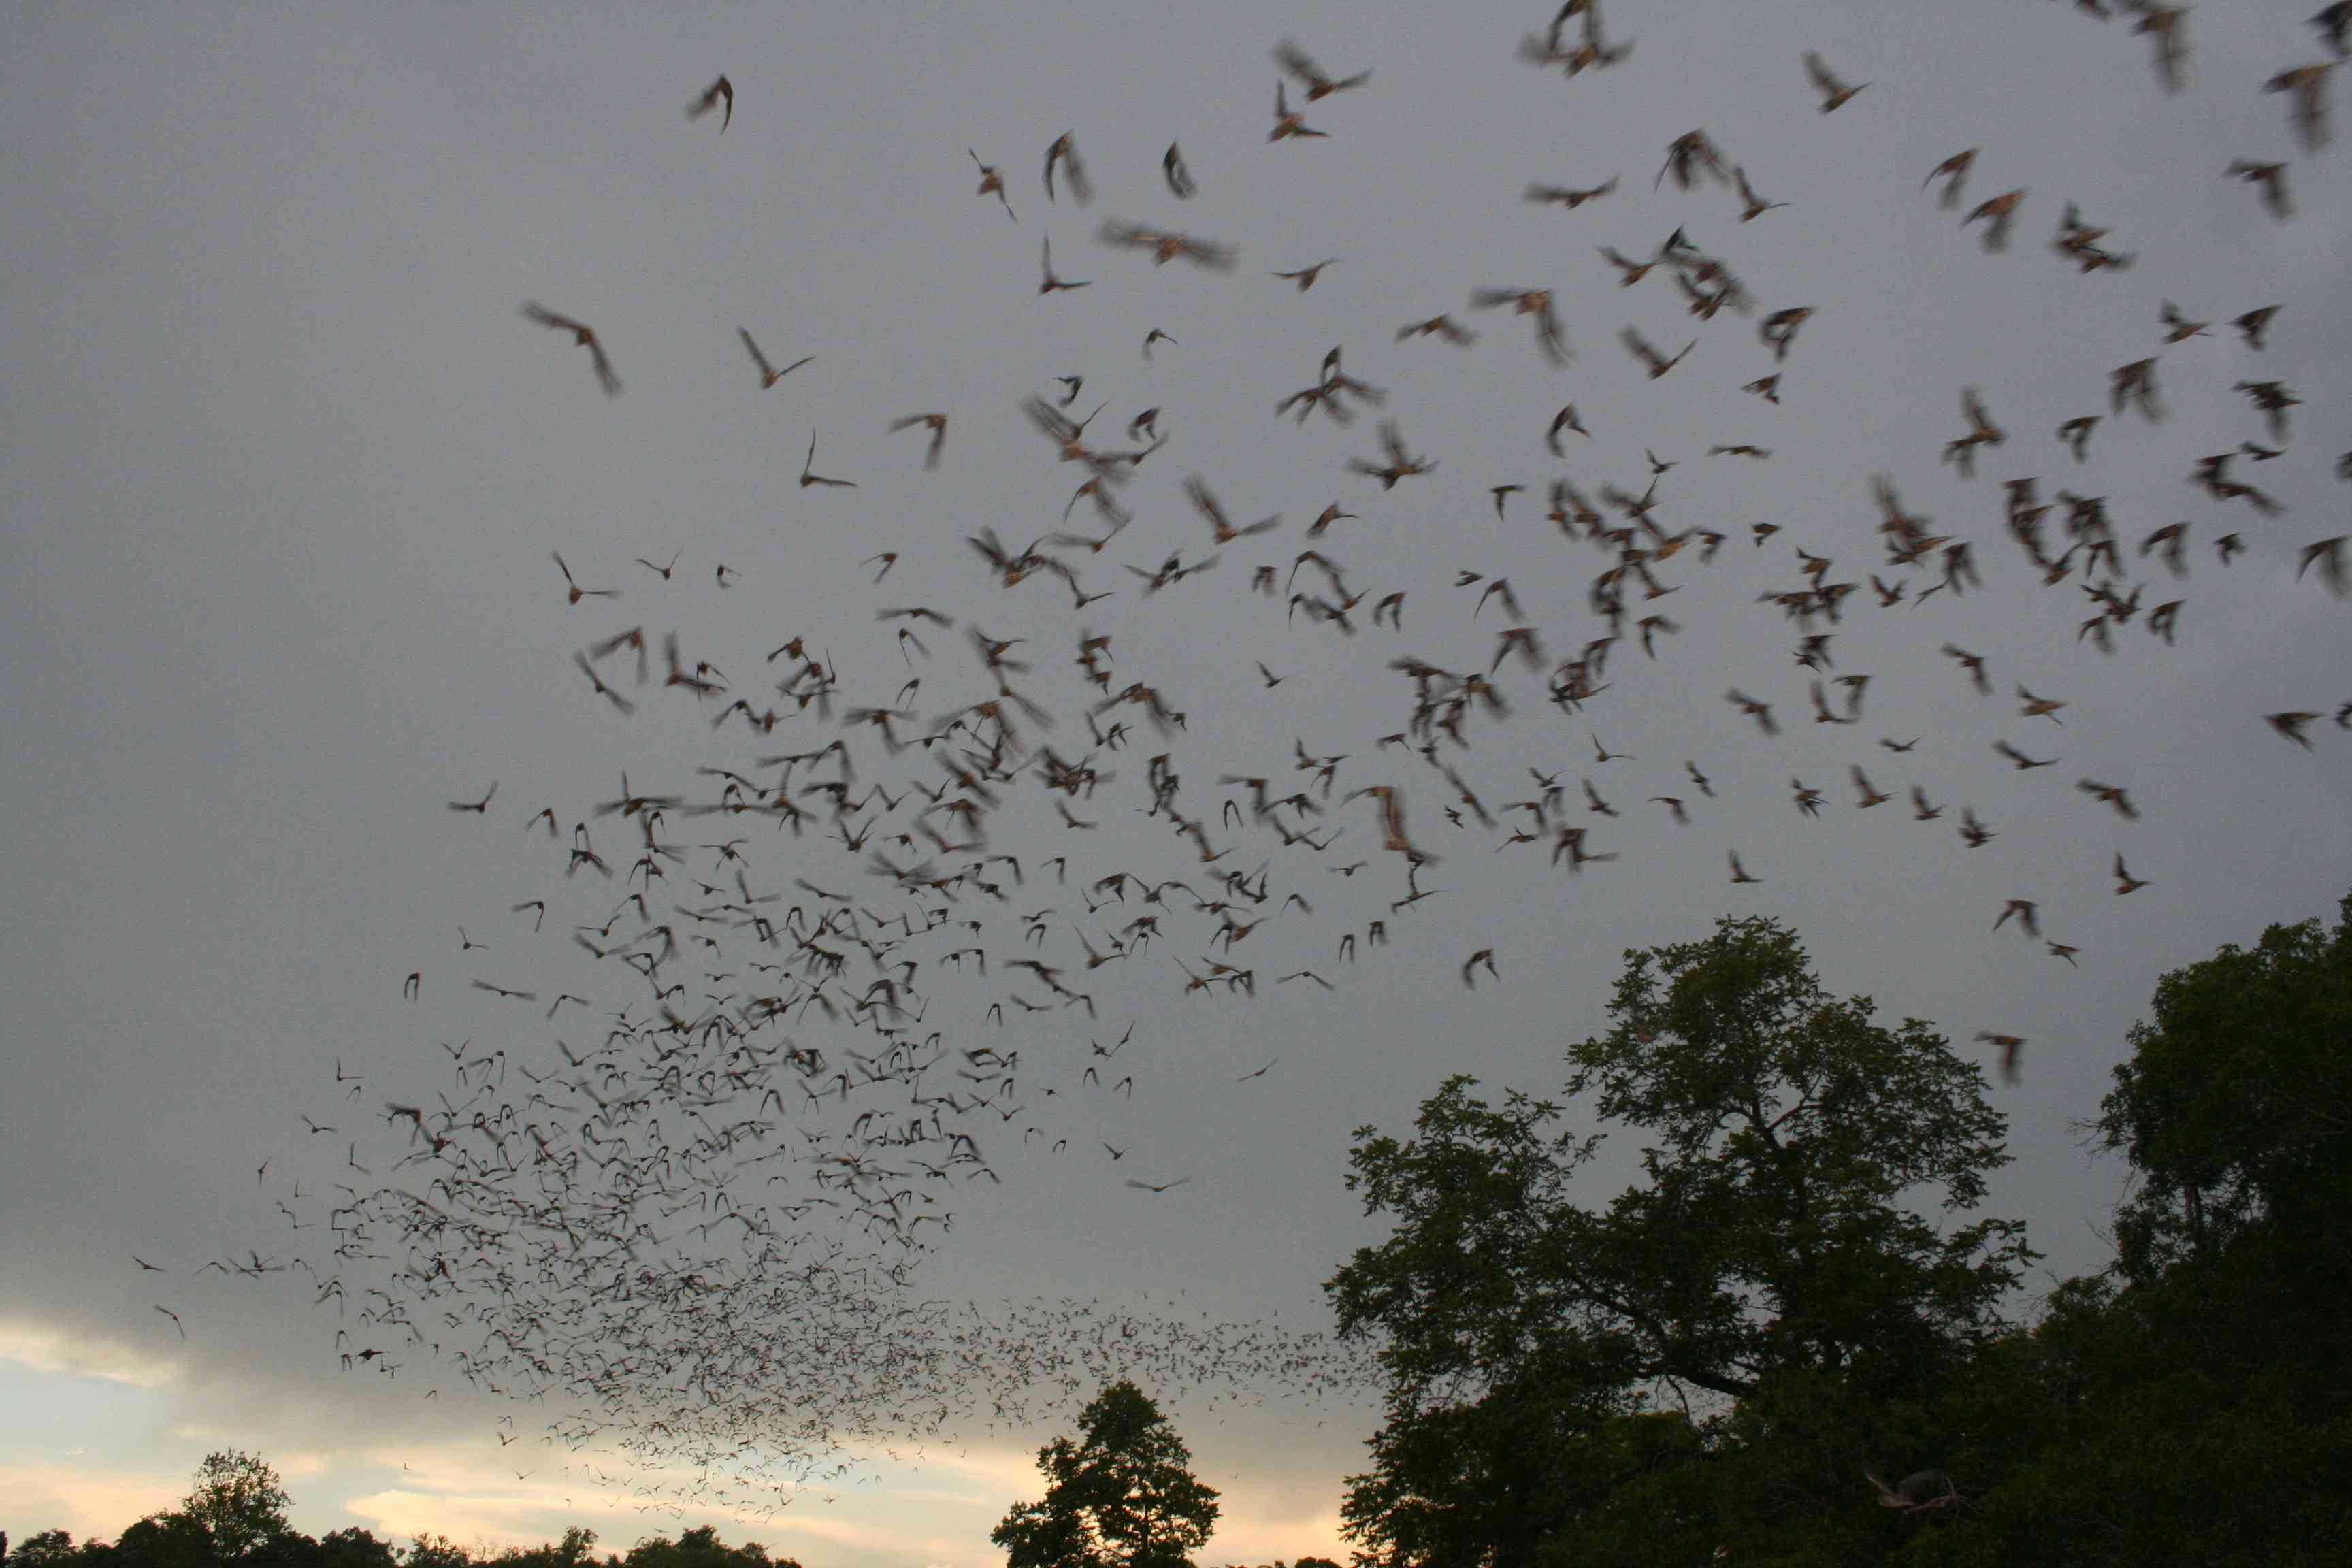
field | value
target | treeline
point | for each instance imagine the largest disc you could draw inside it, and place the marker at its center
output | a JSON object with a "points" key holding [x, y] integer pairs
{"points": [[236, 1514]]}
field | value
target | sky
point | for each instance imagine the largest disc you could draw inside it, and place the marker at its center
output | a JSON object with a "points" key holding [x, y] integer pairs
{"points": [[284, 467]]}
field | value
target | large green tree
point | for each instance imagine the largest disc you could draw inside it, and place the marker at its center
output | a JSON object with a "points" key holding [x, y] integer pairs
{"points": [[1558, 1374], [1123, 1496], [2236, 1107], [2188, 1405]]}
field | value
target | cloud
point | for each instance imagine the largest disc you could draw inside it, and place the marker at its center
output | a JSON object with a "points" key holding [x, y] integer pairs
{"points": [[70, 1352]]}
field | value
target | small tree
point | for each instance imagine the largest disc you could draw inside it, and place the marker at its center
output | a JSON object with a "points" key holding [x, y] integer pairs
{"points": [[1123, 1498], [356, 1548], [50, 1546], [430, 1551], [699, 1548], [572, 1551], [240, 1499]]}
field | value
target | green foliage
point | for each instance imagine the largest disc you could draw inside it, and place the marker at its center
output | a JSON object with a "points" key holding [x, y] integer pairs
{"points": [[2221, 1325], [1769, 1263], [1123, 1498], [239, 1499], [2112, 1435], [2236, 1109]]}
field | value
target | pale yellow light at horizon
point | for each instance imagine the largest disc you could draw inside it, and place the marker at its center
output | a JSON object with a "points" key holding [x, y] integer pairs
{"points": [[462, 1489], [87, 1502]]}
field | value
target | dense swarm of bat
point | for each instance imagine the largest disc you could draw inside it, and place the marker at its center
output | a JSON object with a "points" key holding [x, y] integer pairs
{"points": [[772, 1018]]}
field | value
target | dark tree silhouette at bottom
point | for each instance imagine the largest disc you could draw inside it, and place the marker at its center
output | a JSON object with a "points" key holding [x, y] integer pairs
{"points": [[1122, 1497]]}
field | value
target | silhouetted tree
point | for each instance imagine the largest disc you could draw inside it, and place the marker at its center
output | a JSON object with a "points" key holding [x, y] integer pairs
{"points": [[429, 1550], [2188, 1404], [42, 1550], [2236, 1107], [1122, 1497], [239, 1499], [175, 1539], [701, 1548], [573, 1550], [356, 1548], [1557, 1376]]}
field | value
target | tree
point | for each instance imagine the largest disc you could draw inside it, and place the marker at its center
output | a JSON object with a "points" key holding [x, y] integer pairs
{"points": [[2221, 1325], [1558, 1377], [288, 1549], [356, 1548], [239, 1499], [429, 1550], [699, 1548], [2236, 1107], [50, 1547], [1123, 1498], [173, 1539], [570, 1552]]}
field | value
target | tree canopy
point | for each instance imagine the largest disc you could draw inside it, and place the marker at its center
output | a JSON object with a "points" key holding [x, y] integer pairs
{"points": [[2236, 1106], [2221, 1325], [1549, 1361], [1123, 1496], [1785, 1342], [239, 1500]]}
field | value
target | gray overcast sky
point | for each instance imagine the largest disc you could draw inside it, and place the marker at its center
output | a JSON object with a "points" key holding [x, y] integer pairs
{"points": [[283, 469]]}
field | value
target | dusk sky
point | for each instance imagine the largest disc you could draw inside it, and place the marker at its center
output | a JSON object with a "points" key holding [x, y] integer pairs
{"points": [[285, 465]]}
